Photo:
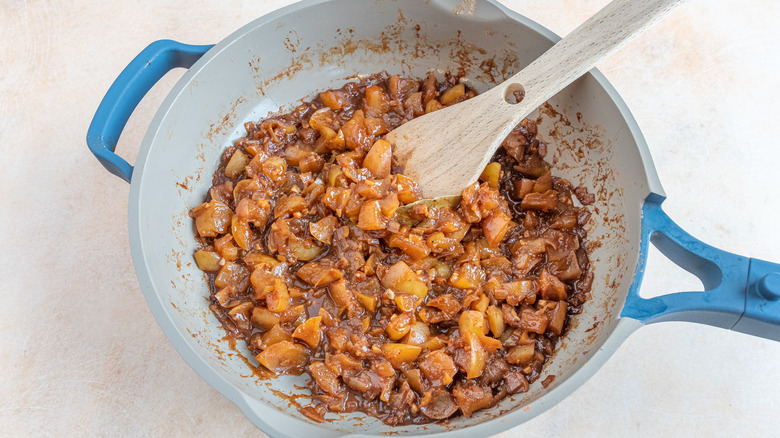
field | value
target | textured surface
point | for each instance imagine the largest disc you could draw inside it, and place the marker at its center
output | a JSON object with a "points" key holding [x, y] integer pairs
{"points": [[82, 354]]}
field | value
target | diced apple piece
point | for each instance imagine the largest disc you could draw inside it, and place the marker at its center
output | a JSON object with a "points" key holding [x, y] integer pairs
{"points": [[327, 319], [491, 175], [531, 246], [275, 335], [406, 302], [471, 321], [551, 287], [275, 168], [287, 205], [557, 317], [242, 315], [342, 295], [438, 403], [443, 269], [324, 119], [376, 126], [318, 274], [499, 263], [370, 188], [295, 292], [485, 250], [439, 243], [399, 354], [311, 162], [389, 204], [336, 177], [477, 356], [400, 278], [322, 230], [304, 249], [481, 304], [355, 135], [408, 189], [211, 218], [566, 221], [207, 260], [263, 280], [244, 189], [490, 344], [411, 244], [235, 167], [419, 333], [401, 87], [341, 362], [467, 276], [454, 93], [232, 274], [399, 325], [225, 248], [293, 154], [264, 319], [242, 233], [379, 159], [368, 301], [295, 314], [332, 99], [413, 103], [520, 355], [495, 320], [471, 397], [225, 295], [520, 290], [567, 268], [495, 226], [433, 105], [326, 378], [371, 217], [447, 303], [414, 378], [278, 299], [438, 368], [284, 358], [376, 101], [434, 343], [222, 192], [310, 332]]}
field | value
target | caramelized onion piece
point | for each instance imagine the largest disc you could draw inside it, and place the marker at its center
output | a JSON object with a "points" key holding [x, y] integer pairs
{"points": [[284, 358], [438, 404]]}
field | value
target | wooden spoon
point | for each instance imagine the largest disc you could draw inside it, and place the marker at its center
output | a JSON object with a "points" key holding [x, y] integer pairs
{"points": [[446, 150]]}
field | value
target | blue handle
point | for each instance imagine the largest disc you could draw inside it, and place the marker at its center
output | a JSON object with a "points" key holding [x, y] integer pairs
{"points": [[127, 91], [740, 294]]}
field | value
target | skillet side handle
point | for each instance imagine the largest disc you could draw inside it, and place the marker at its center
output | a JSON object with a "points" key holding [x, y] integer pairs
{"points": [[126, 92], [741, 294], [762, 307]]}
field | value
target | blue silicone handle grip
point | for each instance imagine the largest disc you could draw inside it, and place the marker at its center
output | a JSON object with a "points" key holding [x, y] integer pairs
{"points": [[127, 91], [740, 293]]}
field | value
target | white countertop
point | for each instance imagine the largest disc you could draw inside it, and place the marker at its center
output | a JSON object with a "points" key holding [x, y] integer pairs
{"points": [[82, 355]]}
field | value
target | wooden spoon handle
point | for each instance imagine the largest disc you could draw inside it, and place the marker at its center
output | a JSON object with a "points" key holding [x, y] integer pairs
{"points": [[447, 149], [581, 50]]}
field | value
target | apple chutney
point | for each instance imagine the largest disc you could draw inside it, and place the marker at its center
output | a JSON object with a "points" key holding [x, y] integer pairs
{"points": [[412, 318]]}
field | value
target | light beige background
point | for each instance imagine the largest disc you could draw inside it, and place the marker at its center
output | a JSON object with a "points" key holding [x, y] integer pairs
{"points": [[80, 353]]}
